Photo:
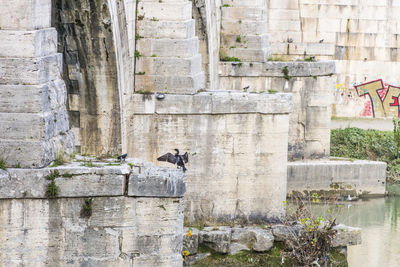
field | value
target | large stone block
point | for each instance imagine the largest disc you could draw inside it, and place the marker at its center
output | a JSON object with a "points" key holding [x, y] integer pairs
{"points": [[217, 238], [39, 43], [215, 102], [33, 126], [156, 182], [160, 216], [24, 98], [243, 3], [169, 66], [260, 240], [166, 29], [165, 11], [275, 69], [170, 84], [346, 236], [231, 125], [30, 71], [33, 98], [245, 41], [34, 153], [247, 26], [167, 47], [249, 13], [58, 233], [25, 14], [73, 181], [360, 177], [246, 54]]}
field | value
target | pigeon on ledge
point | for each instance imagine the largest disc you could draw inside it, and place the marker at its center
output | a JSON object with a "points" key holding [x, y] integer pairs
{"points": [[122, 157]]}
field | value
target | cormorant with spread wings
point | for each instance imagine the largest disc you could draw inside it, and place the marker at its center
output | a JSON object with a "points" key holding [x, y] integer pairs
{"points": [[177, 159]]}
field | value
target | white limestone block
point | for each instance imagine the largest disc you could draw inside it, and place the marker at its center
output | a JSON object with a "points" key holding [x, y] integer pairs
{"points": [[170, 84], [165, 11], [30, 71], [249, 13], [246, 54], [25, 14], [15, 44], [245, 26], [167, 47], [166, 29], [245, 41], [169, 66]]}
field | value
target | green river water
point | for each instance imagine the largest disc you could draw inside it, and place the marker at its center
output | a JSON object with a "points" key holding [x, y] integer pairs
{"points": [[379, 219]]}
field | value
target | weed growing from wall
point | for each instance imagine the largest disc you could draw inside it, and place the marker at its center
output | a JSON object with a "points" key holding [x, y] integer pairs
{"points": [[52, 189], [285, 72], [86, 210], [3, 164]]}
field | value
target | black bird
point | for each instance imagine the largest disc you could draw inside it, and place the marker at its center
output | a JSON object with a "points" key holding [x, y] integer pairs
{"points": [[177, 159], [122, 157]]}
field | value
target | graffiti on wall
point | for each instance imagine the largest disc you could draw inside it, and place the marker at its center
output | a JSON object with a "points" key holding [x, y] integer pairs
{"points": [[384, 98]]}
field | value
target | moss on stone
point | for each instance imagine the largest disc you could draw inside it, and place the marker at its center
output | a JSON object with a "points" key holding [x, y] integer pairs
{"points": [[245, 259]]}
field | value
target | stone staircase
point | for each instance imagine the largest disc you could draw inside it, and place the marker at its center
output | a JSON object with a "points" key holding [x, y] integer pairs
{"points": [[244, 31], [34, 125], [167, 57]]}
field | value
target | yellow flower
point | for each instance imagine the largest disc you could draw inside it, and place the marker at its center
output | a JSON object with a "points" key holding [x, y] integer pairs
{"points": [[189, 234], [185, 253]]}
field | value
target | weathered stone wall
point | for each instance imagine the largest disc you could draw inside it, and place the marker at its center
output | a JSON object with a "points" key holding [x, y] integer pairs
{"points": [[309, 82], [85, 37], [34, 125], [237, 144], [361, 36], [131, 223]]}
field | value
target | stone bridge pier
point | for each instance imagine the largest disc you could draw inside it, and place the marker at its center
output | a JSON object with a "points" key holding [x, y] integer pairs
{"points": [[34, 126]]}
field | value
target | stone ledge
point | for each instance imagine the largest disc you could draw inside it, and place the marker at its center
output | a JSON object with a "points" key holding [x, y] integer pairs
{"points": [[359, 177], [275, 69], [214, 102], [102, 178], [84, 182]]}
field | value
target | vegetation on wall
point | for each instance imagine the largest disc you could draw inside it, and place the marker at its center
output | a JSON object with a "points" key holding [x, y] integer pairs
{"points": [[356, 143]]}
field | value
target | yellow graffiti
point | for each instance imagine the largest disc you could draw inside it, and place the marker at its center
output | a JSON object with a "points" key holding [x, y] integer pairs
{"points": [[340, 86], [386, 107]]}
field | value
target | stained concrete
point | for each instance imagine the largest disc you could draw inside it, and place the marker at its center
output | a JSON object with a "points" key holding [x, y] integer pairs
{"points": [[237, 145], [337, 177]]}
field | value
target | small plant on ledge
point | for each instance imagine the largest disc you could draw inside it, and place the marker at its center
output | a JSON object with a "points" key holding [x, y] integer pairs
{"points": [[230, 59]]}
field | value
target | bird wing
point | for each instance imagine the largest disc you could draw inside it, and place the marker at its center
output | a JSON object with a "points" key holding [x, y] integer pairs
{"points": [[168, 157], [185, 157]]}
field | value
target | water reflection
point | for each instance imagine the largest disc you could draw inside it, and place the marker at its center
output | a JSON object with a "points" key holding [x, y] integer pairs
{"points": [[379, 220]]}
